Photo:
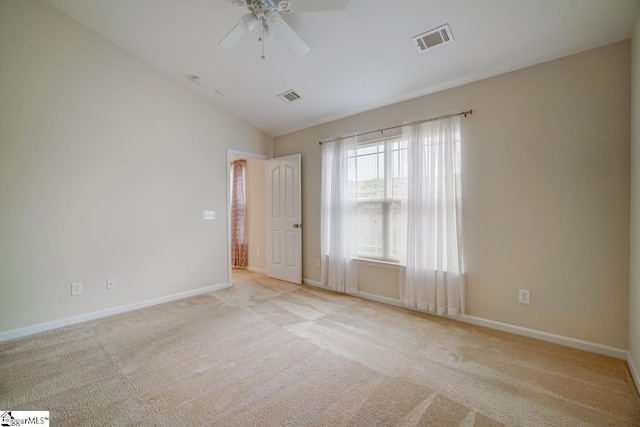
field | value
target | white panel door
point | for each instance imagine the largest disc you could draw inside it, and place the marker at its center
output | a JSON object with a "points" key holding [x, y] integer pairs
{"points": [[284, 219]]}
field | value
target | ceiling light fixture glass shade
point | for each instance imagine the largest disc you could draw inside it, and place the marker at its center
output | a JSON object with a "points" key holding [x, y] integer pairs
{"points": [[248, 21], [273, 18], [269, 34]]}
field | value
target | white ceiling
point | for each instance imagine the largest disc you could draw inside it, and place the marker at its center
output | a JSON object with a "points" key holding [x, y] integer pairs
{"points": [[360, 58]]}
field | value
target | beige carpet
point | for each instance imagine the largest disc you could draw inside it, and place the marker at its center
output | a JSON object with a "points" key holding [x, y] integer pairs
{"points": [[268, 353]]}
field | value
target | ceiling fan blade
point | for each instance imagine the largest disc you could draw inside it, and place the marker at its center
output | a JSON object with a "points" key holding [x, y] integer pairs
{"points": [[287, 35], [318, 5], [234, 36]]}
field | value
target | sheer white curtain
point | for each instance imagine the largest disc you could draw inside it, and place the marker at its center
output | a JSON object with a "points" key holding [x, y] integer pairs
{"points": [[433, 279], [338, 219]]}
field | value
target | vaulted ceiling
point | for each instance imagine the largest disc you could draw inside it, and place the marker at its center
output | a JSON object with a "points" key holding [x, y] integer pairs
{"points": [[361, 58]]}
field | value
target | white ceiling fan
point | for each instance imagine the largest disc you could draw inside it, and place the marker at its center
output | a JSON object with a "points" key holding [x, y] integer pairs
{"points": [[266, 13]]}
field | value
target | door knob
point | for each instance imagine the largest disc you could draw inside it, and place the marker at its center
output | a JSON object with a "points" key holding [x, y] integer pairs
{"points": [[297, 225]]}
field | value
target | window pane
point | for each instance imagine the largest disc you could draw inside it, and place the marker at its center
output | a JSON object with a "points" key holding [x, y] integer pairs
{"points": [[367, 149], [370, 171], [370, 176], [399, 173], [370, 230], [380, 170], [394, 230]]}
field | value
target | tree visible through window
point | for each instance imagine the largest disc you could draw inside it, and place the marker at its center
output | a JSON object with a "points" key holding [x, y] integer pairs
{"points": [[379, 170]]}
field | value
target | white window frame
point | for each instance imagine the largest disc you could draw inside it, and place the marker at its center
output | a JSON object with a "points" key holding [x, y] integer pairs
{"points": [[387, 201]]}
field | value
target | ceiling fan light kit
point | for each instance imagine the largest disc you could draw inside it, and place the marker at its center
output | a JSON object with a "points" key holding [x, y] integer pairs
{"points": [[248, 22], [267, 13]]}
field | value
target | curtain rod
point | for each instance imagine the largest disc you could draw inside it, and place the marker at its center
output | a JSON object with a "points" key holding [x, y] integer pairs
{"points": [[431, 119]]}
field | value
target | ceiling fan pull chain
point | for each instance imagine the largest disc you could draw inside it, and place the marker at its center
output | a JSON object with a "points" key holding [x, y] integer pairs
{"points": [[261, 39]]}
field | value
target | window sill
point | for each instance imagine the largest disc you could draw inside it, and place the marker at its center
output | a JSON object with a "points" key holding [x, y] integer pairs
{"points": [[377, 263]]}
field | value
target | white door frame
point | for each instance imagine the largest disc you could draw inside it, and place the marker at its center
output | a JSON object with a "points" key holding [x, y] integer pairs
{"points": [[230, 153]]}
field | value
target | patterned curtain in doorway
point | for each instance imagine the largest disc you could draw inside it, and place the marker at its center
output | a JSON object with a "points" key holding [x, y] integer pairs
{"points": [[239, 246]]}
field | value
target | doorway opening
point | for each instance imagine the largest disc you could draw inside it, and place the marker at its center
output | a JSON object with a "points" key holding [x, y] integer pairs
{"points": [[254, 210]]}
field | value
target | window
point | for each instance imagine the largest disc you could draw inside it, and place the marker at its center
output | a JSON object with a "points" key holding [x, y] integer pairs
{"points": [[379, 170], [372, 208]]}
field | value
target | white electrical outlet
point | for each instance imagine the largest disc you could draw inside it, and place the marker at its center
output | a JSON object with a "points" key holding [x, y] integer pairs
{"points": [[209, 215], [524, 297], [76, 289], [111, 282], [317, 262], [257, 252]]}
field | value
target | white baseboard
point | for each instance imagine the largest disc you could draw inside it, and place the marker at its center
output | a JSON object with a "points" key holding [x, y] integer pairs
{"points": [[47, 326], [313, 283], [635, 374], [546, 336], [378, 298], [519, 330], [257, 270]]}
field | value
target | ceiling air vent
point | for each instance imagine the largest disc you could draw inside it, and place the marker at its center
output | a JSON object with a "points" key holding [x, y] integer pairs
{"points": [[433, 38], [289, 96]]}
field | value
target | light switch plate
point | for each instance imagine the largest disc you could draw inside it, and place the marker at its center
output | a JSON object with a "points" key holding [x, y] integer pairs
{"points": [[209, 215]]}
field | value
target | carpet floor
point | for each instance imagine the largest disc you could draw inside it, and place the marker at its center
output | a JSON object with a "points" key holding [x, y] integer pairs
{"points": [[269, 353]]}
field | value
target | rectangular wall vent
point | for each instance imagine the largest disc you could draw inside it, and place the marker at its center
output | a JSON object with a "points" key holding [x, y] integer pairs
{"points": [[289, 96], [433, 38]]}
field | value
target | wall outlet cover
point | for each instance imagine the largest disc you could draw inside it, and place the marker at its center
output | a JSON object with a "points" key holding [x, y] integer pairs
{"points": [[76, 289]]}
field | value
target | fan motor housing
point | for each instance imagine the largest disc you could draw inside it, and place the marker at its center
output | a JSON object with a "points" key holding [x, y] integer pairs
{"points": [[264, 6]]}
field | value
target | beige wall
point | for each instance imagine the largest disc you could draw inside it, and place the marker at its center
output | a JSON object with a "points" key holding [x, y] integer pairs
{"points": [[106, 166], [634, 279], [380, 279], [545, 191]]}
